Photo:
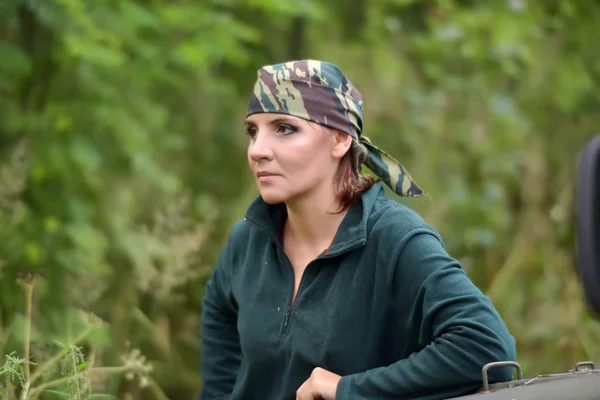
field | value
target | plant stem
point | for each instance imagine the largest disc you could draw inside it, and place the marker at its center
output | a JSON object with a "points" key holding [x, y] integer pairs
{"points": [[29, 299], [1, 329], [43, 386], [122, 368], [25, 392], [74, 360], [56, 382], [160, 395], [29, 288]]}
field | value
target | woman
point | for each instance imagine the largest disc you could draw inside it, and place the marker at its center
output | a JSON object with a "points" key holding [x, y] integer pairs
{"points": [[326, 289]]}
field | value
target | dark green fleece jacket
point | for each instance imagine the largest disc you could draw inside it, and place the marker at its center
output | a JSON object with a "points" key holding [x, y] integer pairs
{"points": [[385, 307]]}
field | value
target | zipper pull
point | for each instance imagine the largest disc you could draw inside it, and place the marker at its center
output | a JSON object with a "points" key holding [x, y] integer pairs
{"points": [[286, 319]]}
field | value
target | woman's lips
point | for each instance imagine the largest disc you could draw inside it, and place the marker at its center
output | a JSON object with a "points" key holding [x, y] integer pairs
{"points": [[265, 176]]}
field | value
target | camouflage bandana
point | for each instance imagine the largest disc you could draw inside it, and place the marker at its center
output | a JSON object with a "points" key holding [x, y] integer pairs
{"points": [[318, 91]]}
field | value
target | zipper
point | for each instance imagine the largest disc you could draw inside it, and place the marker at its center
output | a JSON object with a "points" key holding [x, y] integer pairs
{"points": [[290, 307], [291, 303], [286, 319], [288, 311]]}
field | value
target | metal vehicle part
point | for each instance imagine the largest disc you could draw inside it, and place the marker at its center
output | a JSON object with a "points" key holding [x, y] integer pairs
{"points": [[583, 386], [587, 210], [580, 383], [583, 381]]}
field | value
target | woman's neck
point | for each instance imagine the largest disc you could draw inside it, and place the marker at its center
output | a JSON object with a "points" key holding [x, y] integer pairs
{"points": [[312, 222]]}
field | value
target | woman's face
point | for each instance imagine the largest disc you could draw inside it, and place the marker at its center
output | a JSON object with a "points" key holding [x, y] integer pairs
{"points": [[291, 158]]}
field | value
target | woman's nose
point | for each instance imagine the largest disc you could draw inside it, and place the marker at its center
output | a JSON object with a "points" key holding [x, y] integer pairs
{"points": [[260, 148]]}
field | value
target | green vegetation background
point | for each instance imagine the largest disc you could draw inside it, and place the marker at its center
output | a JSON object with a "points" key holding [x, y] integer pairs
{"points": [[123, 166]]}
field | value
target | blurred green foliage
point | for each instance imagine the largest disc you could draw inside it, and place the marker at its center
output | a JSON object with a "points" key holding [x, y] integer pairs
{"points": [[122, 161]]}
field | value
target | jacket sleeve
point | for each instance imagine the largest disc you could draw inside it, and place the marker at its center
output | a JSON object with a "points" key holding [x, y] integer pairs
{"points": [[458, 331], [220, 346]]}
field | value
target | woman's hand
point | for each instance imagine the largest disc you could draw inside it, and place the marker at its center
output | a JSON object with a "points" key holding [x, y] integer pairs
{"points": [[321, 385]]}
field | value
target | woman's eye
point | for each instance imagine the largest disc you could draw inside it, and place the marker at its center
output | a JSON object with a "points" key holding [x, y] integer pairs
{"points": [[286, 129], [251, 131]]}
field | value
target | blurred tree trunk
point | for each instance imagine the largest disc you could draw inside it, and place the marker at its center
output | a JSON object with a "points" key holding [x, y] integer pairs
{"points": [[354, 18], [296, 40], [37, 41]]}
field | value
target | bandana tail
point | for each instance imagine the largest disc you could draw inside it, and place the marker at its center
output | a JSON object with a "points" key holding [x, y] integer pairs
{"points": [[392, 172]]}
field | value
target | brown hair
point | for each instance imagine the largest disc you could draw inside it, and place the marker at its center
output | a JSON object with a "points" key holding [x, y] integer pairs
{"points": [[349, 187]]}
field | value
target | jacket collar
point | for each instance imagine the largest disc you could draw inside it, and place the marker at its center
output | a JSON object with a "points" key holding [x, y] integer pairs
{"points": [[351, 233]]}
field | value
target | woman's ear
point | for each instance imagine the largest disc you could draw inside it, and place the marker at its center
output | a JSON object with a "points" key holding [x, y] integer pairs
{"points": [[341, 144]]}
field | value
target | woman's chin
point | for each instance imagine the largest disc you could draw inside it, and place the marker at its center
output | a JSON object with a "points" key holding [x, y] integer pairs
{"points": [[273, 199], [271, 196]]}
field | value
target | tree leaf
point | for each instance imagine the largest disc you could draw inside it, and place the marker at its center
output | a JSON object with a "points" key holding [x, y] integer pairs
{"points": [[83, 364], [58, 392], [15, 62], [94, 52]]}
